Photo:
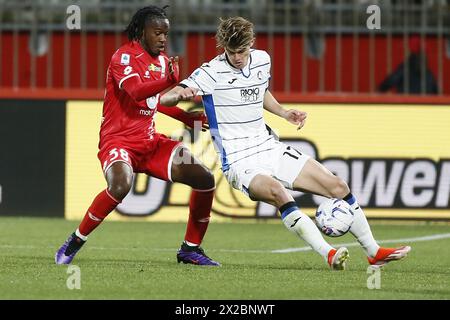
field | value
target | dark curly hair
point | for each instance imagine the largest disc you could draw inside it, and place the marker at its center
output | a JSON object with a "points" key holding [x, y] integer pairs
{"points": [[137, 24]]}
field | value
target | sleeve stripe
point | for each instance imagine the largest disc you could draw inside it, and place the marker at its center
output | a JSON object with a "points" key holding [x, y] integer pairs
{"points": [[261, 65], [232, 88], [240, 122], [238, 104], [199, 87], [208, 74], [125, 78], [270, 137], [250, 155]]}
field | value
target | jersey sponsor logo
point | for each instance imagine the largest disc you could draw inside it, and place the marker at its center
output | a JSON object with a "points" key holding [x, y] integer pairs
{"points": [[147, 74], [127, 70], [125, 59], [147, 113], [154, 68], [232, 80], [250, 94]]}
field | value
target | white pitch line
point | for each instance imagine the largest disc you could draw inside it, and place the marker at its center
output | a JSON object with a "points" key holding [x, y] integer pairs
{"points": [[355, 244], [288, 250]]}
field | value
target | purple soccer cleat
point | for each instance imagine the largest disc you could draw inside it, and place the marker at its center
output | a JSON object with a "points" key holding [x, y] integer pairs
{"points": [[194, 255], [68, 250]]}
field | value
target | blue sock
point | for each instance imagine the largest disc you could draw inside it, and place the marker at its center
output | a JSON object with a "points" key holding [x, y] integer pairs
{"points": [[350, 199], [287, 208]]}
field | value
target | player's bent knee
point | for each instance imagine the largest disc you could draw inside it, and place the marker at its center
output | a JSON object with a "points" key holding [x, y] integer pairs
{"points": [[206, 180], [196, 176], [340, 188], [120, 190], [211, 182], [278, 193]]}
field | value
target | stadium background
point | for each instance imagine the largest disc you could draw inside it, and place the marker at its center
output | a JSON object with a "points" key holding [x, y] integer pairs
{"points": [[393, 149]]}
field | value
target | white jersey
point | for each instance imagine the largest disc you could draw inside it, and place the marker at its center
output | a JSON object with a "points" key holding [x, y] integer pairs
{"points": [[233, 100]]}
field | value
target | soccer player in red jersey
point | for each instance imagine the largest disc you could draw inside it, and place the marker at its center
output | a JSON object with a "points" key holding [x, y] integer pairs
{"points": [[138, 72]]}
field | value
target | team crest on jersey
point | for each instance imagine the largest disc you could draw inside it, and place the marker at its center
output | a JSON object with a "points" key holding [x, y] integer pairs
{"points": [[152, 102], [125, 59], [154, 68], [260, 75]]}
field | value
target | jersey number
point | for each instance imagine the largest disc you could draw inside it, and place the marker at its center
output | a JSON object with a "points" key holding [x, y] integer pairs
{"points": [[122, 153], [290, 154], [114, 153]]}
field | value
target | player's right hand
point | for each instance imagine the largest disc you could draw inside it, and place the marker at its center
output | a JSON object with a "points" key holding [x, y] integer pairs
{"points": [[174, 69], [188, 94], [296, 117]]}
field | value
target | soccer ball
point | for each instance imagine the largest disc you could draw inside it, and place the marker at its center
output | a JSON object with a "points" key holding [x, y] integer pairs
{"points": [[334, 217]]}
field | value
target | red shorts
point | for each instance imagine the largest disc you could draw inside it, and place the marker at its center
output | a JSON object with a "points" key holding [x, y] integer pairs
{"points": [[153, 157]]}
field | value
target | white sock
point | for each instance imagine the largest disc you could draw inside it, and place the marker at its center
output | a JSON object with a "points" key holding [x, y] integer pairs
{"points": [[300, 224], [79, 235], [361, 229], [190, 244]]}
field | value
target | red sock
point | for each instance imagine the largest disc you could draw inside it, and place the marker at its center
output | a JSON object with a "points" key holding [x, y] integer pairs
{"points": [[102, 205], [199, 212]]}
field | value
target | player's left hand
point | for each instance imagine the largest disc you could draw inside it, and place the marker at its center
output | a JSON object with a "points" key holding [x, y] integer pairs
{"points": [[198, 116], [174, 69], [296, 117]]}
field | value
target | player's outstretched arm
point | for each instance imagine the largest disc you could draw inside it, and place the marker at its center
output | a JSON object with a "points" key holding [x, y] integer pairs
{"points": [[272, 105], [172, 97], [167, 105], [176, 95], [139, 90], [293, 116]]}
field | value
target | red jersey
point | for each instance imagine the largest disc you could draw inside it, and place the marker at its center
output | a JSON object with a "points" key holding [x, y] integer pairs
{"points": [[123, 117]]}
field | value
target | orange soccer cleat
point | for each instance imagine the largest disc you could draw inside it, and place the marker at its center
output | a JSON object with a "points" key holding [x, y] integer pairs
{"points": [[337, 258], [385, 255]]}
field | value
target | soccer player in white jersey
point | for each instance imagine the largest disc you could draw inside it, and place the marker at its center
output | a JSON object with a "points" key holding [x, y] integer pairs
{"points": [[234, 88]]}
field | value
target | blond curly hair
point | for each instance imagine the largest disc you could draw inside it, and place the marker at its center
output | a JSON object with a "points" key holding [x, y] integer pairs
{"points": [[235, 34]]}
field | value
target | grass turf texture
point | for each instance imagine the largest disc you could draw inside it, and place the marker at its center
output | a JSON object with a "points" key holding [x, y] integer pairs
{"points": [[131, 260]]}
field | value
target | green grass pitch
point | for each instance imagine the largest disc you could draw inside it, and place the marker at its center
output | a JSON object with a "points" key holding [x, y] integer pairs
{"points": [[135, 260]]}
